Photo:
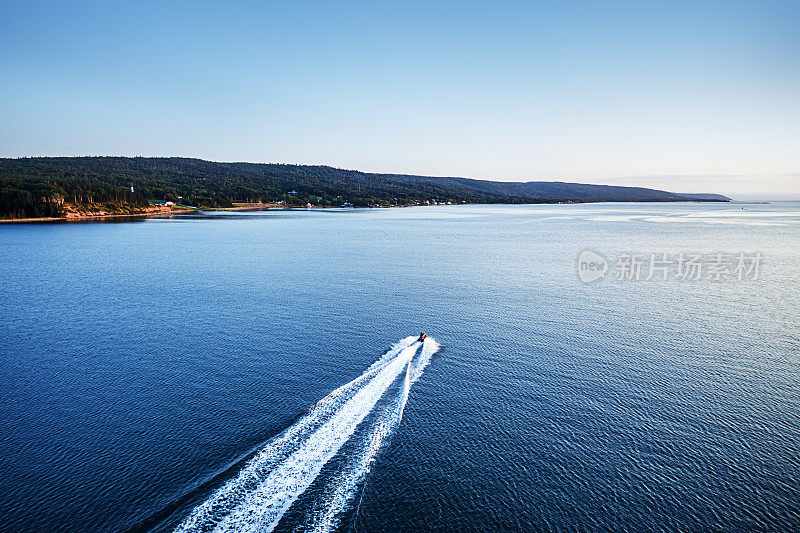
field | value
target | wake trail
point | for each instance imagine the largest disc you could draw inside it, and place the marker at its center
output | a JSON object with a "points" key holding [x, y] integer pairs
{"points": [[207, 515], [429, 347], [271, 481], [345, 486]]}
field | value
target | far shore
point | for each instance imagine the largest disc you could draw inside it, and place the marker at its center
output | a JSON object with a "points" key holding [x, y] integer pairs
{"points": [[168, 211], [265, 207], [161, 211]]}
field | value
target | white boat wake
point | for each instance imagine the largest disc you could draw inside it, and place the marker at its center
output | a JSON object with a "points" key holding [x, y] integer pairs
{"points": [[267, 486], [345, 486]]}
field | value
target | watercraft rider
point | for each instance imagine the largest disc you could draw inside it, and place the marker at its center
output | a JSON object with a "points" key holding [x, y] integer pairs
{"points": [[421, 336]]}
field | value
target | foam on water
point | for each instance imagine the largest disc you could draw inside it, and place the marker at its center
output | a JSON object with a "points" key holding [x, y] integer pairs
{"points": [[257, 498], [345, 487], [429, 347]]}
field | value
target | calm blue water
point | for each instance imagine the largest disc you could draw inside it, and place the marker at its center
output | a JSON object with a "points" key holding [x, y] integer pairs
{"points": [[145, 363]]}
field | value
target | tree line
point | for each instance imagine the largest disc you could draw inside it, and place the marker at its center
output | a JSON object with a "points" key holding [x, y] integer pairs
{"points": [[39, 187]]}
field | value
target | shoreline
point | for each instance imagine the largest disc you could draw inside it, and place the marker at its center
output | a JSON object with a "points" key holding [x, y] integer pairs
{"points": [[78, 217], [168, 212], [263, 208]]}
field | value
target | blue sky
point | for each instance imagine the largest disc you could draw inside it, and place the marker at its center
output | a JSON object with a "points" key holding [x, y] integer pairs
{"points": [[686, 96]]}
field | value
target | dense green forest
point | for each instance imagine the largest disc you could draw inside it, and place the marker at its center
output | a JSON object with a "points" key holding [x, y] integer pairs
{"points": [[39, 187]]}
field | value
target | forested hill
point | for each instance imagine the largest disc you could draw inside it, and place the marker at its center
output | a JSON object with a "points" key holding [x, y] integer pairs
{"points": [[35, 187]]}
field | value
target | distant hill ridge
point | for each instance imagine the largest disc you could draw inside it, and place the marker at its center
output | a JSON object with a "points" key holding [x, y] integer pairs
{"points": [[40, 186]]}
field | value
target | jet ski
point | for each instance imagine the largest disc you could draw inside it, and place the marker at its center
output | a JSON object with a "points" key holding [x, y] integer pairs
{"points": [[421, 337]]}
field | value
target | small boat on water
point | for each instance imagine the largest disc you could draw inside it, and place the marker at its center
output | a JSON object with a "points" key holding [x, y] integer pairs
{"points": [[421, 336]]}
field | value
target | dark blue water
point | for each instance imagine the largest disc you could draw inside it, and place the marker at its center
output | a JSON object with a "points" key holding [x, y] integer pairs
{"points": [[145, 363]]}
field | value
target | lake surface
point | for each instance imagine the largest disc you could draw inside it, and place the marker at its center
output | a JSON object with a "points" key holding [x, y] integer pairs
{"points": [[158, 374]]}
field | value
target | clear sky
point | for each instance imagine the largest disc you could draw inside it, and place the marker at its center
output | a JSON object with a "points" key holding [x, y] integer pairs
{"points": [[697, 96]]}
